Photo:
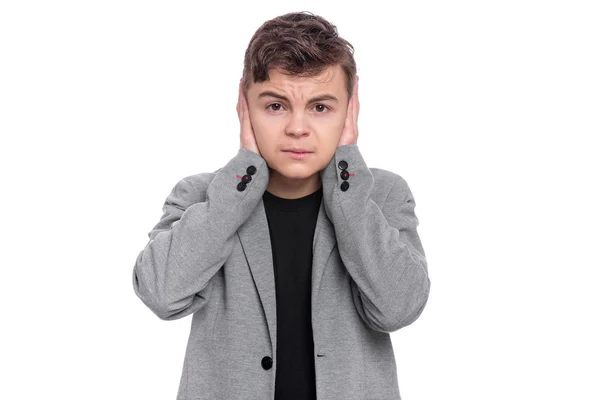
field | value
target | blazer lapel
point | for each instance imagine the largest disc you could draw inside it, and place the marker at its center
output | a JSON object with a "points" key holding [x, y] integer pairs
{"points": [[256, 243]]}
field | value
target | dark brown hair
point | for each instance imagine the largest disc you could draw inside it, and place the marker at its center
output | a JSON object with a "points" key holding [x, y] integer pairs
{"points": [[297, 43]]}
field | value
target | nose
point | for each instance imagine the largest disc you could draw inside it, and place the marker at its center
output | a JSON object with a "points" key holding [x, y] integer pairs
{"points": [[298, 123]]}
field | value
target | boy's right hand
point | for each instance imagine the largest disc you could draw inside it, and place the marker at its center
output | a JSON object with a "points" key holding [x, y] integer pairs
{"points": [[247, 138]]}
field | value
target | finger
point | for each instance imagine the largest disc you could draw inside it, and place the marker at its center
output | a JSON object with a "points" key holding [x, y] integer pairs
{"points": [[245, 114], [349, 116], [237, 107], [244, 102], [354, 102], [241, 96], [245, 109], [349, 109], [356, 106]]}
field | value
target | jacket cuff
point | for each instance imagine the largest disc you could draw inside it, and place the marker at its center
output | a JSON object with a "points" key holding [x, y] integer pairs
{"points": [[346, 178]]}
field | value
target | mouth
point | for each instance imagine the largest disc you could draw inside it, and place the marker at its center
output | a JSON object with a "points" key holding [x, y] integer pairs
{"points": [[297, 151], [297, 155]]}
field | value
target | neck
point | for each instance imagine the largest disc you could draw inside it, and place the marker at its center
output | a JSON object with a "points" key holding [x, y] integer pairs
{"points": [[292, 188]]}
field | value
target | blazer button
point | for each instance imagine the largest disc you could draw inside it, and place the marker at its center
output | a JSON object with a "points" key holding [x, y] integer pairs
{"points": [[342, 164], [267, 362], [345, 174], [251, 170], [344, 186], [246, 178], [241, 186]]}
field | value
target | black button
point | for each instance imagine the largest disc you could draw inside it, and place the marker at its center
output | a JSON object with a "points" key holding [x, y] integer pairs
{"points": [[266, 362], [345, 186], [345, 174], [241, 186], [251, 170], [246, 178], [342, 164]]}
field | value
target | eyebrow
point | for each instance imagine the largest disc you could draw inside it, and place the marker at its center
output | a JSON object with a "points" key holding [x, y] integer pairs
{"points": [[321, 97]]}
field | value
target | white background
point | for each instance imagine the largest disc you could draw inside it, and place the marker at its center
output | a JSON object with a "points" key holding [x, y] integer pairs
{"points": [[489, 110]]}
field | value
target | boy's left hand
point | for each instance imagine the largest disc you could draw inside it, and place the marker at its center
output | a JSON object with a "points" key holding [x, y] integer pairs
{"points": [[350, 131]]}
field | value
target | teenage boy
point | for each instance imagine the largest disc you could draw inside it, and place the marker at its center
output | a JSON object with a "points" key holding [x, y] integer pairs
{"points": [[296, 259]]}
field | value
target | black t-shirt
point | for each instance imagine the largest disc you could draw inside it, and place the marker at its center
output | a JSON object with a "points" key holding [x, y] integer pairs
{"points": [[292, 226]]}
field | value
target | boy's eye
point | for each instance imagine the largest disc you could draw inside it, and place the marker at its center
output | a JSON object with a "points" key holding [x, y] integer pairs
{"points": [[274, 104], [321, 108]]}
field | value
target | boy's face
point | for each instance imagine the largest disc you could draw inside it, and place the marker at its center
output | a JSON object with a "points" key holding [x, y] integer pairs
{"points": [[298, 121]]}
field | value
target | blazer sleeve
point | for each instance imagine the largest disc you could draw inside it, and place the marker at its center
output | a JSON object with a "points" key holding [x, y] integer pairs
{"points": [[379, 246], [195, 236]]}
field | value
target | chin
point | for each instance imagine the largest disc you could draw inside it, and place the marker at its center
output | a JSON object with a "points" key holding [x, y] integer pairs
{"points": [[297, 171]]}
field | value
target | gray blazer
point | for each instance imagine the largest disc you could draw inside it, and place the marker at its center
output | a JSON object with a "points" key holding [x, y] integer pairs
{"points": [[210, 255]]}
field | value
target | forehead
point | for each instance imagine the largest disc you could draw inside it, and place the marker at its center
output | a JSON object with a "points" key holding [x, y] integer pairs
{"points": [[330, 80]]}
